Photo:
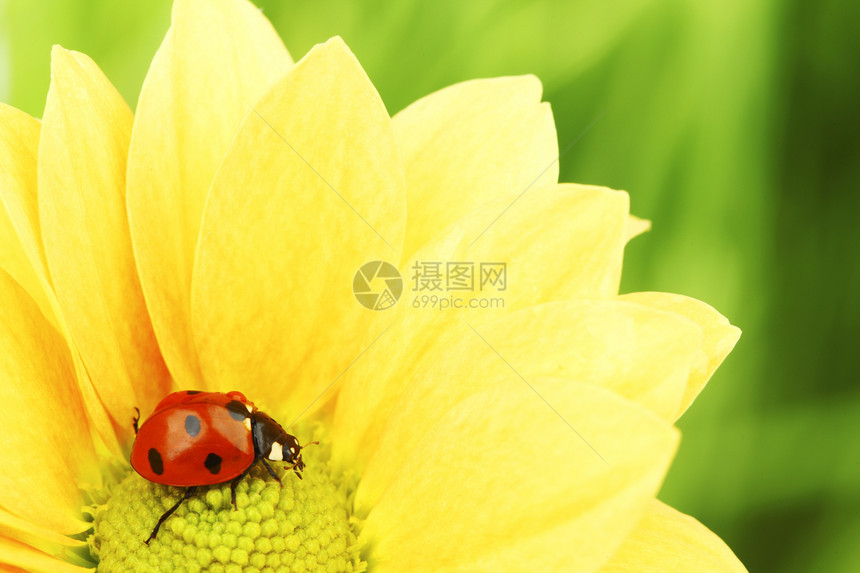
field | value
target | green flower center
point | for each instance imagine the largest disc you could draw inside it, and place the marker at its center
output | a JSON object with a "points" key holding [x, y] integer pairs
{"points": [[297, 525]]}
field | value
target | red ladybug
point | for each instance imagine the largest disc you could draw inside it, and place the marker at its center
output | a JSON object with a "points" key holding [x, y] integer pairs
{"points": [[204, 438]]}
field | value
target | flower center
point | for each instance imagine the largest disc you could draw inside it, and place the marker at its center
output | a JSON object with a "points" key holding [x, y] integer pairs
{"points": [[297, 525]]}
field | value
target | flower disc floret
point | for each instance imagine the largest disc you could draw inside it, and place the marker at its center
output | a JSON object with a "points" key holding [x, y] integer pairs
{"points": [[299, 525]]}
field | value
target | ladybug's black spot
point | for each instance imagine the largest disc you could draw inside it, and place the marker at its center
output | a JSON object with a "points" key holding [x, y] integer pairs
{"points": [[155, 462], [192, 425], [237, 410], [213, 463], [192, 392]]}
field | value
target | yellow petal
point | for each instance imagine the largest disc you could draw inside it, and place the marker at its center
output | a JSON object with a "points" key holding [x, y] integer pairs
{"points": [[471, 143], [668, 540], [719, 336], [21, 252], [82, 153], [501, 482], [47, 444], [637, 226], [218, 58], [311, 189], [637, 352], [565, 242], [19, 144], [17, 554], [14, 261], [40, 538]]}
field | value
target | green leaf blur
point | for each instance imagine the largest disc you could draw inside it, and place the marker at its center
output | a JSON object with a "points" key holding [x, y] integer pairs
{"points": [[734, 127]]}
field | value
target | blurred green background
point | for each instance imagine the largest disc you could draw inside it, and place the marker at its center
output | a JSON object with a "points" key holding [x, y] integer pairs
{"points": [[733, 125]]}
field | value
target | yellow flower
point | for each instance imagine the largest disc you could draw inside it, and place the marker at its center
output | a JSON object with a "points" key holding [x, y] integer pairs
{"points": [[211, 241]]}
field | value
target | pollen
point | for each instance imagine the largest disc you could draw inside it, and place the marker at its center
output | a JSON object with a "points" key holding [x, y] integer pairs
{"points": [[298, 525]]}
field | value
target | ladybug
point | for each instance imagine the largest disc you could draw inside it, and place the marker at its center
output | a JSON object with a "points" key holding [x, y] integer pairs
{"points": [[198, 438]]}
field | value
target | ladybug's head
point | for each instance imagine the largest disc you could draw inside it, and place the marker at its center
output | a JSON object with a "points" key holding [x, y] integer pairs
{"points": [[273, 443], [292, 453], [293, 446]]}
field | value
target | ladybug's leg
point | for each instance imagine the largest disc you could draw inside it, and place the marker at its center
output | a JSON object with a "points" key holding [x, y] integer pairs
{"points": [[271, 471], [188, 493], [135, 419], [296, 466], [235, 482]]}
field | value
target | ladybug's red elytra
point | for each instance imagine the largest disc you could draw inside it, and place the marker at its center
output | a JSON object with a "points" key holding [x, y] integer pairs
{"points": [[195, 438]]}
